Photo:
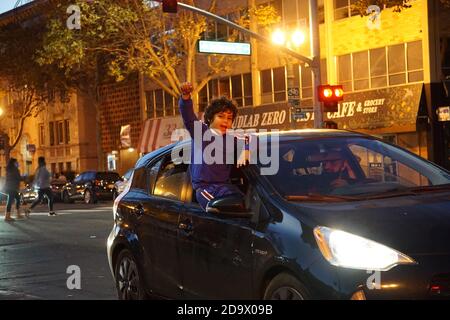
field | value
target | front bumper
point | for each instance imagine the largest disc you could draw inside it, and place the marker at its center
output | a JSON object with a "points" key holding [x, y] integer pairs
{"points": [[429, 279]]}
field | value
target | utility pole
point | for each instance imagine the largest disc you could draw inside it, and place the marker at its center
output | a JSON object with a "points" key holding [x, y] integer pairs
{"points": [[315, 66]]}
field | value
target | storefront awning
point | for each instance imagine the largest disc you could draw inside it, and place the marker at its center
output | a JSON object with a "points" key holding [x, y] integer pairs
{"points": [[376, 111]]}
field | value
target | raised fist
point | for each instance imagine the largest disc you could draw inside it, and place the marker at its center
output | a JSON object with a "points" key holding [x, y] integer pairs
{"points": [[186, 89]]}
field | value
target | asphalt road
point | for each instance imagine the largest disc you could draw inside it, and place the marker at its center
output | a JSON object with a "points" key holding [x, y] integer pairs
{"points": [[35, 254]]}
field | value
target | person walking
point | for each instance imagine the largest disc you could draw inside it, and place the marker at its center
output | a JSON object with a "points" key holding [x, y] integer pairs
{"points": [[42, 182], [11, 188]]}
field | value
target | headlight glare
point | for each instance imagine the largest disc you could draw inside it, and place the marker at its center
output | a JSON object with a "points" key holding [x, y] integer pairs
{"points": [[346, 250]]}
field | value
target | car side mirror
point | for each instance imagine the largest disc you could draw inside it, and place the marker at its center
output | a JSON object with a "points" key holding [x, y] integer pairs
{"points": [[231, 207]]}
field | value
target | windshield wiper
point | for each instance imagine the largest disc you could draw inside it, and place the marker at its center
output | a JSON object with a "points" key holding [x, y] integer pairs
{"points": [[319, 197], [399, 192]]}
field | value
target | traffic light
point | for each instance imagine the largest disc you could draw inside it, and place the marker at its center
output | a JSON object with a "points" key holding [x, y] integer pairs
{"points": [[170, 6], [330, 96]]}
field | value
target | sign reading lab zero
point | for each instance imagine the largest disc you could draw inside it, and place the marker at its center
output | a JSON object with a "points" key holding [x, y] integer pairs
{"points": [[392, 109]]}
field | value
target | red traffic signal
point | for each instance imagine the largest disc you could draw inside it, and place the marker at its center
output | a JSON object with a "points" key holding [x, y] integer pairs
{"points": [[330, 94], [170, 6]]}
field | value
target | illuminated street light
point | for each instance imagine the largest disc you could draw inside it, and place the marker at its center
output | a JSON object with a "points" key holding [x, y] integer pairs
{"points": [[278, 37], [298, 38]]}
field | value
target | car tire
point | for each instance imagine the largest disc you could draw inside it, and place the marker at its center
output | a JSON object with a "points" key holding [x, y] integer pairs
{"points": [[285, 287], [128, 279]]}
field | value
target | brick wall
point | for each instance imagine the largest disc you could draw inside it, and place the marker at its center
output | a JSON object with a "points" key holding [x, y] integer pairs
{"points": [[120, 106]]}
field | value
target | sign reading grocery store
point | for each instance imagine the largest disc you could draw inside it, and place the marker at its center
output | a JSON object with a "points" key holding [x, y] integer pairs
{"points": [[383, 108]]}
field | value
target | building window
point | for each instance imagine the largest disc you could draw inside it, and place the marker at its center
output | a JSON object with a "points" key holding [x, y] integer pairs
{"points": [[344, 64], [159, 103], [381, 67], [69, 166], [273, 85], [343, 9], [53, 168], [51, 131], [60, 132], [150, 102], [237, 88], [397, 64], [61, 167], [66, 132], [41, 134], [378, 68], [415, 61], [216, 31]]}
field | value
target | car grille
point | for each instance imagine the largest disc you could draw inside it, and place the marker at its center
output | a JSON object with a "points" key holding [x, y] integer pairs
{"points": [[440, 286]]}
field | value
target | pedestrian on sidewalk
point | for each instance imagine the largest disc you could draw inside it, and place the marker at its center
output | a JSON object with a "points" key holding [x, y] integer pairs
{"points": [[42, 182], [11, 188]]}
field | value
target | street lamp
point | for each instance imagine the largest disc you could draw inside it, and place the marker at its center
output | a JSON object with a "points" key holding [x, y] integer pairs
{"points": [[296, 40]]}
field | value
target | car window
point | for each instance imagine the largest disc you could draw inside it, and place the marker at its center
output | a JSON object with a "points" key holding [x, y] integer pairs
{"points": [[78, 178], [127, 175], [170, 180], [354, 167], [140, 179]]}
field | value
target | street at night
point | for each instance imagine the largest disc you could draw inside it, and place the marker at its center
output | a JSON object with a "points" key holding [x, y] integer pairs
{"points": [[225, 150], [36, 252]]}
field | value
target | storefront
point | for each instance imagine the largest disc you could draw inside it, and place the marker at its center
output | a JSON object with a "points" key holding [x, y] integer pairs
{"points": [[397, 115]]}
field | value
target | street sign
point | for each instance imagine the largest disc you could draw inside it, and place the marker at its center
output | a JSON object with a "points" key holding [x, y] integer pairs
{"points": [[221, 47]]}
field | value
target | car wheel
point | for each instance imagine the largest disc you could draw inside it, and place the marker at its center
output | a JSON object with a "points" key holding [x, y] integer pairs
{"points": [[285, 287], [128, 280], [88, 197]]}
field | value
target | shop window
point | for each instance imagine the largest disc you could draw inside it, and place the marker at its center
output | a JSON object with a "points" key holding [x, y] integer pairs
{"points": [[266, 86]]}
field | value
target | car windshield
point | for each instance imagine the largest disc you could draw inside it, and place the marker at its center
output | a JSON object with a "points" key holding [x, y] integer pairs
{"points": [[350, 168]]}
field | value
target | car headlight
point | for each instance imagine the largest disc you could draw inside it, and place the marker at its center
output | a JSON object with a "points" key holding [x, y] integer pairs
{"points": [[346, 250]]}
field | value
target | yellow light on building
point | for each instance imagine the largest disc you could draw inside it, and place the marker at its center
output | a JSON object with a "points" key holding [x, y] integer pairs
{"points": [[1, 111]]}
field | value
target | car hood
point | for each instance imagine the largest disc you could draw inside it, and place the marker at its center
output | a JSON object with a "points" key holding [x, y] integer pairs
{"points": [[414, 225]]}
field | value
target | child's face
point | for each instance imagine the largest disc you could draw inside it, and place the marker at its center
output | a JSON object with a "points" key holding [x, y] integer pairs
{"points": [[222, 121]]}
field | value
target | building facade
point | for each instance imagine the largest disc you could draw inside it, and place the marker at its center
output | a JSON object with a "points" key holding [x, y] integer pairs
{"points": [[390, 64]]}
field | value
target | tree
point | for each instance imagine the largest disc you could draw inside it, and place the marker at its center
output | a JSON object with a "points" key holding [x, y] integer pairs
{"points": [[29, 85], [135, 36]]}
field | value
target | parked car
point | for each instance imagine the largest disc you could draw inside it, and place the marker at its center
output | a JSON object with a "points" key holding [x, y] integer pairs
{"points": [[90, 186], [29, 193], [121, 184], [346, 216]]}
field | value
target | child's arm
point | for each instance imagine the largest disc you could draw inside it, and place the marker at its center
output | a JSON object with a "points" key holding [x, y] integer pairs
{"points": [[186, 108]]}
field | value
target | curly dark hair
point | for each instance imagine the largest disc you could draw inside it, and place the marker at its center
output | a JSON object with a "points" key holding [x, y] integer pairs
{"points": [[219, 105]]}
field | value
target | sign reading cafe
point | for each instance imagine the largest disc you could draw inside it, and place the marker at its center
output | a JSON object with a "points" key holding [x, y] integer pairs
{"points": [[395, 107]]}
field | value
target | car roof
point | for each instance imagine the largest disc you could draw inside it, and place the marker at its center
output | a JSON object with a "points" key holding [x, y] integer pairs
{"points": [[284, 136]]}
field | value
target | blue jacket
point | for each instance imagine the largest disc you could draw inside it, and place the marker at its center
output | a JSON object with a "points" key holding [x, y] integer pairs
{"points": [[203, 173]]}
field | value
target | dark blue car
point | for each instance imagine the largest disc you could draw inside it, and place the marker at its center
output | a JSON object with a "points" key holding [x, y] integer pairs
{"points": [[346, 216]]}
